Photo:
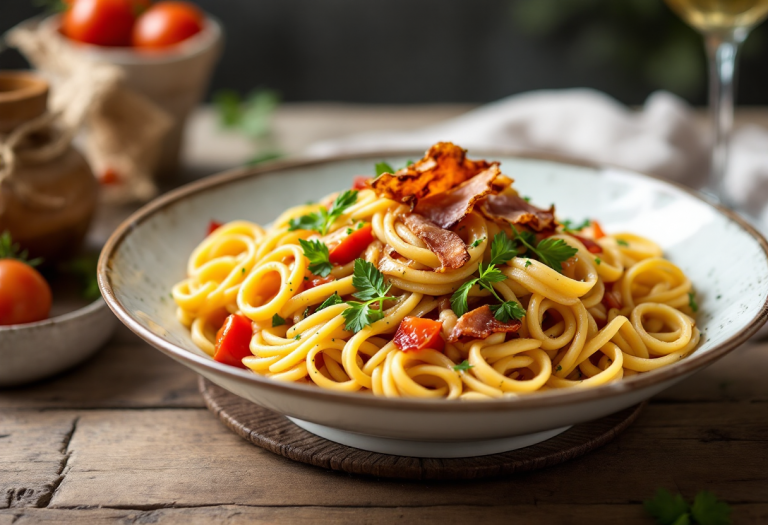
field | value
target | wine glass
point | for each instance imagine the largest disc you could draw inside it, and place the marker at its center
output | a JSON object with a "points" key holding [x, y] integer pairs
{"points": [[724, 24]]}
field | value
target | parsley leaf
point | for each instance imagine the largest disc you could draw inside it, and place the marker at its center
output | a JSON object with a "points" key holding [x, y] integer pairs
{"points": [[321, 220], [368, 281], [460, 297], [277, 321], [503, 249], [665, 508], [331, 301], [708, 510], [622, 242], [507, 311], [464, 366], [527, 263], [571, 226], [383, 167], [371, 288], [477, 242], [317, 253], [554, 252], [692, 302], [598, 261]]}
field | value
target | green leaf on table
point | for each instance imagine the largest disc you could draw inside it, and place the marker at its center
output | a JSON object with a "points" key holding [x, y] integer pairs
{"points": [[665, 508], [708, 510]]}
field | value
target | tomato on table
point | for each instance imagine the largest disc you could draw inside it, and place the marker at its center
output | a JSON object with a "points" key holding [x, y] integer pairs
{"points": [[100, 22], [167, 23], [352, 245], [233, 341], [417, 333], [25, 296]]}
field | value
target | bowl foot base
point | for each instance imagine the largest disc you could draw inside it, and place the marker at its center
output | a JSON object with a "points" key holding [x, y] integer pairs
{"points": [[427, 449]]}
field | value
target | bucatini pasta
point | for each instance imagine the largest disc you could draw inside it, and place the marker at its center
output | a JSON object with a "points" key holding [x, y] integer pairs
{"points": [[436, 280]]}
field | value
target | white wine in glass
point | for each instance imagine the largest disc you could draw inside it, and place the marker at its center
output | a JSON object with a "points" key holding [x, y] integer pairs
{"points": [[724, 24]]}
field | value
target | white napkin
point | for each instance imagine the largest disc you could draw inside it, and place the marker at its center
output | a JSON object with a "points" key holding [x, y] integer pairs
{"points": [[663, 138]]}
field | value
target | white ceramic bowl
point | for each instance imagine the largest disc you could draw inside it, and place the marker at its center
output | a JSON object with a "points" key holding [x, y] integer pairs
{"points": [[723, 256]]}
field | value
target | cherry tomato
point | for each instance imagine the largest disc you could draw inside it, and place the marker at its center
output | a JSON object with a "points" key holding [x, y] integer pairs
{"points": [[167, 23], [352, 245], [417, 333], [100, 22], [233, 340], [360, 182], [213, 226], [25, 297], [597, 231]]}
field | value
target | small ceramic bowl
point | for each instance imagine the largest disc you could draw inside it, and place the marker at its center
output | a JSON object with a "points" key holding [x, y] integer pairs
{"points": [[33, 351], [722, 255]]}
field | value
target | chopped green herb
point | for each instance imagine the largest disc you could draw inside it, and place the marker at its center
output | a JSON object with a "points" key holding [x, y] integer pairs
{"points": [[349, 231], [464, 366], [242, 271], [571, 226], [317, 254], [558, 368], [277, 321], [359, 225], [477, 242], [527, 263], [692, 302], [383, 167], [331, 301], [306, 313], [298, 336], [371, 288], [527, 199], [597, 261], [322, 220], [622, 242]]}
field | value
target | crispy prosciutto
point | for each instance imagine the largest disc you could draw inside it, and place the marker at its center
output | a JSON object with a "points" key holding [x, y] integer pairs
{"points": [[510, 207], [480, 323], [447, 245], [443, 167], [447, 209]]}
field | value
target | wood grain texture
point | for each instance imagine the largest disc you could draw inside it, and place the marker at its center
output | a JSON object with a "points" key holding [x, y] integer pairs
{"points": [[277, 434]]}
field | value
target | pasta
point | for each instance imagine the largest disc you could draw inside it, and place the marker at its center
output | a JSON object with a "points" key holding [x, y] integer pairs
{"points": [[436, 281]]}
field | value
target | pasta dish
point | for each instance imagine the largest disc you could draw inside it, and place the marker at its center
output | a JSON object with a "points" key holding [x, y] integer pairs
{"points": [[435, 280]]}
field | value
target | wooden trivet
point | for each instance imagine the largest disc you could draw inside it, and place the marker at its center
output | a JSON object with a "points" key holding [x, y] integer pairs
{"points": [[277, 434]]}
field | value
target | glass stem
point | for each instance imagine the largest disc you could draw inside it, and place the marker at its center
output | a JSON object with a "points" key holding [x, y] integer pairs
{"points": [[721, 53]]}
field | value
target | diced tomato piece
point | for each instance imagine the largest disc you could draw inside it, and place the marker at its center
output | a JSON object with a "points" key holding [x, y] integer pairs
{"points": [[317, 281], [417, 333], [589, 244], [233, 340], [213, 226], [611, 299], [597, 230], [109, 176], [352, 245], [361, 182]]}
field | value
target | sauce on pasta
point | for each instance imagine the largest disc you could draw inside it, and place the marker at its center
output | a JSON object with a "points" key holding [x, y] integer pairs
{"points": [[436, 280]]}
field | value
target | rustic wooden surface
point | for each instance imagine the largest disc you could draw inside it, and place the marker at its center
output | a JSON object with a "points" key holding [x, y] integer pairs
{"points": [[277, 434], [126, 438]]}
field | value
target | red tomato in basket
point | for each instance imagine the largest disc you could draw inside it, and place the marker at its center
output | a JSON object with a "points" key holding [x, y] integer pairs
{"points": [[25, 296], [100, 22], [167, 23], [417, 333]]}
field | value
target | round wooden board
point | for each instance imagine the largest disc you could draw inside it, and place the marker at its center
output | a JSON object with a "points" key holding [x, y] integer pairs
{"points": [[277, 434]]}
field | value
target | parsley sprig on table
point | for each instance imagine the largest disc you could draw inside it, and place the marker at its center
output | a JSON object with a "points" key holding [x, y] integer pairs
{"points": [[371, 288], [317, 253], [667, 509], [321, 220], [552, 252], [502, 251]]}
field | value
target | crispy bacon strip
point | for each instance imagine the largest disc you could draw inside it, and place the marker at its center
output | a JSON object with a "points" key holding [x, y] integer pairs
{"points": [[447, 245], [510, 207], [443, 167], [449, 208], [480, 323]]}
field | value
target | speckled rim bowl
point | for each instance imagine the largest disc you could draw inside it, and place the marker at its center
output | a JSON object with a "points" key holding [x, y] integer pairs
{"points": [[33, 351], [148, 253]]}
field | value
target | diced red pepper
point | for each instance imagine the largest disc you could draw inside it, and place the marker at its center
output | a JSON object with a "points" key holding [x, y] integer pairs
{"points": [[589, 244], [233, 341], [352, 245], [597, 231], [317, 281], [361, 182], [417, 333], [213, 226]]}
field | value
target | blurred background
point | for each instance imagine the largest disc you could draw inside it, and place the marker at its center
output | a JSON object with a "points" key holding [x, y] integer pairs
{"points": [[420, 51]]}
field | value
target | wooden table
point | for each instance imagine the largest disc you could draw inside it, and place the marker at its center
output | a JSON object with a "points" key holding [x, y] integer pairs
{"points": [[125, 437]]}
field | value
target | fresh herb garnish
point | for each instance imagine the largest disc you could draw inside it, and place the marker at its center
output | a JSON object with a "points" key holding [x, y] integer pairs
{"points": [[552, 252], [477, 242], [331, 301], [298, 336], [667, 509], [570, 226], [527, 263], [692, 302], [502, 251], [12, 250], [277, 321], [598, 261], [371, 288], [383, 167], [317, 253], [464, 366], [622, 242], [322, 220]]}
